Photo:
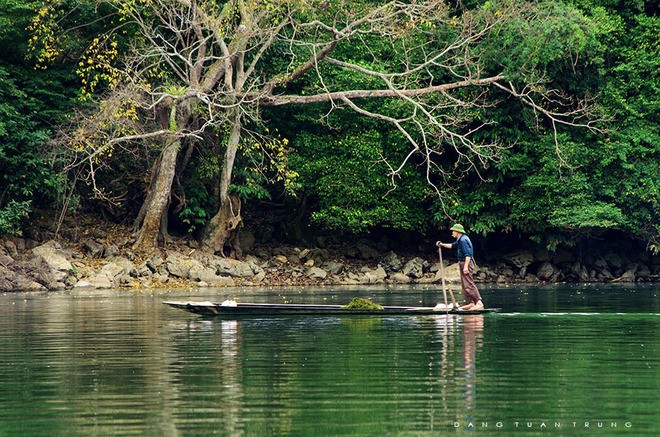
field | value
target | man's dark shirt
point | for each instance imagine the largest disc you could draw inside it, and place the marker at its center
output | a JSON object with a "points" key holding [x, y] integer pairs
{"points": [[463, 247]]}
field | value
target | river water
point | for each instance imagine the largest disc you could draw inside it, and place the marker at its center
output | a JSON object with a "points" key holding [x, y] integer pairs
{"points": [[558, 360]]}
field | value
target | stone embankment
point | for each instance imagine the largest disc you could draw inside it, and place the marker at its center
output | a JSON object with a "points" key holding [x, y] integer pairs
{"points": [[564, 266], [54, 265]]}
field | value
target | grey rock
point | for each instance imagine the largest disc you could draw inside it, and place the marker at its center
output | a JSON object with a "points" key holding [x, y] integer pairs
{"points": [[643, 271], [319, 256], [485, 274], [333, 267], [11, 248], [580, 271], [180, 265], [123, 280], [400, 278], [115, 272], [100, 281], [366, 252], [351, 279], [392, 262], [117, 266], [55, 258], [507, 273], [221, 281], [280, 259], [604, 275], [111, 250], [628, 275], [546, 271], [93, 248], [414, 268], [144, 271], [163, 279], [155, 263], [530, 279], [229, 267], [259, 276], [178, 269], [206, 274], [316, 273], [235, 268], [247, 240], [376, 276], [14, 279], [520, 259], [452, 274]]}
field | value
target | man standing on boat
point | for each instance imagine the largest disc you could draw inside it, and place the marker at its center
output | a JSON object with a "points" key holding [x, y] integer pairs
{"points": [[465, 253]]}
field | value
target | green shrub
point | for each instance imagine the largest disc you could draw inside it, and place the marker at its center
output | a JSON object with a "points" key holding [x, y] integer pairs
{"points": [[359, 303], [12, 215]]}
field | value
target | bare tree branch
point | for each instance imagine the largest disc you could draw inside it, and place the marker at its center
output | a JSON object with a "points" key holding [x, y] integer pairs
{"points": [[372, 94]]}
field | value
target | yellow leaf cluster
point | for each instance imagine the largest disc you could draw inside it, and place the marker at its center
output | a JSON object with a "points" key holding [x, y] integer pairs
{"points": [[96, 65], [44, 43], [110, 122], [273, 161], [128, 109], [126, 8]]}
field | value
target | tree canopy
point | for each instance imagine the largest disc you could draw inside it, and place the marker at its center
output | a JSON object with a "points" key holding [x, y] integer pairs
{"points": [[537, 117]]}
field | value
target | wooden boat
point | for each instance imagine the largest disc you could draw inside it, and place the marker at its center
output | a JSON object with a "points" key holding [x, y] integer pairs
{"points": [[261, 309]]}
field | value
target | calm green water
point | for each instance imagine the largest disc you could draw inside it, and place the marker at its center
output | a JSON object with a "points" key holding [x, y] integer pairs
{"points": [[557, 361]]}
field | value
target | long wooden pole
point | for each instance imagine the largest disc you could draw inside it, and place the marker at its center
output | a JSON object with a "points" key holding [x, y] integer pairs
{"points": [[442, 273], [453, 299]]}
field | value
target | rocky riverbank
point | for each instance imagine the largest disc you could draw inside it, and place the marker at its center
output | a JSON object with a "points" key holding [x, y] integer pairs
{"points": [[27, 264]]}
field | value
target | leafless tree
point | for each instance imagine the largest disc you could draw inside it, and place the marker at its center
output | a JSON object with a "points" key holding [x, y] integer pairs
{"points": [[206, 66]]}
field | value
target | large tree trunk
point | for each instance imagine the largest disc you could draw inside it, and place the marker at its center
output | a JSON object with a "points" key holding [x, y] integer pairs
{"points": [[158, 198], [221, 235]]}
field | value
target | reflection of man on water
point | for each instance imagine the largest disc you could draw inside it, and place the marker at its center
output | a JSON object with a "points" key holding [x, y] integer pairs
{"points": [[473, 327], [462, 380]]}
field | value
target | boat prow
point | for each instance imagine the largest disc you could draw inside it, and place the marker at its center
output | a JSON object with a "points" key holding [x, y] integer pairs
{"points": [[231, 308]]}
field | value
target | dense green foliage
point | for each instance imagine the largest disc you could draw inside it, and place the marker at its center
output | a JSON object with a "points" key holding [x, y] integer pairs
{"points": [[598, 181], [552, 187], [345, 176], [32, 103], [554, 190]]}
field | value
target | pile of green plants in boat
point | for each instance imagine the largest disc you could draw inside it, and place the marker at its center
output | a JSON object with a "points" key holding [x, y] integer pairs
{"points": [[359, 303]]}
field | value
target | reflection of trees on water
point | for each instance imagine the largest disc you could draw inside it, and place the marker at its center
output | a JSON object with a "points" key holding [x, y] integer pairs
{"points": [[255, 376], [207, 371], [126, 364], [86, 362]]}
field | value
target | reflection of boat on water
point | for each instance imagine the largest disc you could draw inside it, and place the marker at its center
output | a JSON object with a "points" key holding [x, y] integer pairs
{"points": [[261, 309]]}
